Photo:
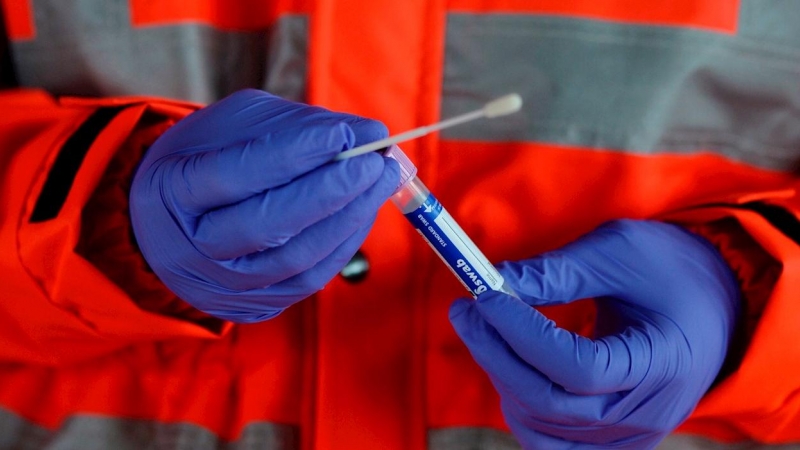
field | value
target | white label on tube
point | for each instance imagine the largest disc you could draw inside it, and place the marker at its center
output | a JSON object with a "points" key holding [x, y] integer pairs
{"points": [[444, 235]]}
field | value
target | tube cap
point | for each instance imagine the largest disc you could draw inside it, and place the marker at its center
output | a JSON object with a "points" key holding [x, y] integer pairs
{"points": [[407, 169]]}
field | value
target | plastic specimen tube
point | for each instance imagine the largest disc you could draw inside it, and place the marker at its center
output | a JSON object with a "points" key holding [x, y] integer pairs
{"points": [[441, 231]]}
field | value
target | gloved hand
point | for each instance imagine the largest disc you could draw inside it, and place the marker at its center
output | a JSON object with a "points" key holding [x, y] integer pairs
{"points": [[667, 306], [239, 211]]}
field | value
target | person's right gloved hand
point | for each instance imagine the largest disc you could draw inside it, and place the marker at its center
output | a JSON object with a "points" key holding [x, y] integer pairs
{"points": [[239, 211], [667, 307]]}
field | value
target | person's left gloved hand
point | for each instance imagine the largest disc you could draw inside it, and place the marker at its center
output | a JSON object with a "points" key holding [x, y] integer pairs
{"points": [[667, 305], [240, 211]]}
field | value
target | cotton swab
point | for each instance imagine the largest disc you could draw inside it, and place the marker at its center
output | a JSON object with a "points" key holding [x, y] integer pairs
{"points": [[502, 106]]}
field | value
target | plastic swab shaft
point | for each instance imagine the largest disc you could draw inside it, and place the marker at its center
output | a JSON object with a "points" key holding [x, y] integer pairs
{"points": [[502, 106]]}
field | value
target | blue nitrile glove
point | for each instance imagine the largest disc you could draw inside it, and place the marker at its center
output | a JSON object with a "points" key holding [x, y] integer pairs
{"points": [[239, 211], [667, 306]]}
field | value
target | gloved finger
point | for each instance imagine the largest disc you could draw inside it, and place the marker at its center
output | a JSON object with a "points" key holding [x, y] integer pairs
{"points": [[312, 280], [365, 130], [247, 307], [581, 365], [565, 435], [552, 278], [616, 260], [311, 246], [600, 263], [270, 219], [529, 431], [211, 179], [516, 379], [535, 440]]}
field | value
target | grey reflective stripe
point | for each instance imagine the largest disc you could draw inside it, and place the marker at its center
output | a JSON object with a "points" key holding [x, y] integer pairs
{"points": [[687, 442], [771, 23], [635, 88], [470, 439], [89, 432], [489, 439], [287, 58], [88, 47]]}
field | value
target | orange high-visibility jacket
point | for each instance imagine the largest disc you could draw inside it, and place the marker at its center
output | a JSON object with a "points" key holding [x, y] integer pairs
{"points": [[682, 110]]}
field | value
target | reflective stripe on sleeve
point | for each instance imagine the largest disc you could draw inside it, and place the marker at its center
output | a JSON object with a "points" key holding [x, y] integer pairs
{"points": [[690, 442], [99, 53], [632, 88], [490, 439], [463, 438], [94, 431]]}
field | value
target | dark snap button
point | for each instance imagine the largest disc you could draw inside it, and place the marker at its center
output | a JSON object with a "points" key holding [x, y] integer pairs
{"points": [[356, 269]]}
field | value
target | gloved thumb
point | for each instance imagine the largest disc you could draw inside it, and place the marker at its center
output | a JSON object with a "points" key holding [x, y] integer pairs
{"points": [[579, 364], [554, 278]]}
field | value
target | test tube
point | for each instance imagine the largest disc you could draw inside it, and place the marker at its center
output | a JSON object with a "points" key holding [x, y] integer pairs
{"points": [[441, 231]]}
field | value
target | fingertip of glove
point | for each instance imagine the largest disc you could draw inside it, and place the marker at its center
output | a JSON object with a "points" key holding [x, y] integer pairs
{"points": [[248, 93], [245, 317], [493, 304], [391, 170], [367, 130], [458, 307], [490, 297], [347, 134], [369, 166]]}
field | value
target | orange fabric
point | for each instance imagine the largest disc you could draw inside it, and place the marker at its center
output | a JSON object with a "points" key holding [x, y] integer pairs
{"points": [[391, 333], [106, 236], [758, 401], [371, 395], [115, 358], [52, 319], [518, 200], [248, 375], [245, 15], [756, 271], [18, 15], [370, 365], [713, 15]]}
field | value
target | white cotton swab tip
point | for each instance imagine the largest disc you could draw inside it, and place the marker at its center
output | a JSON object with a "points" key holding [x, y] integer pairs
{"points": [[506, 104]]}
